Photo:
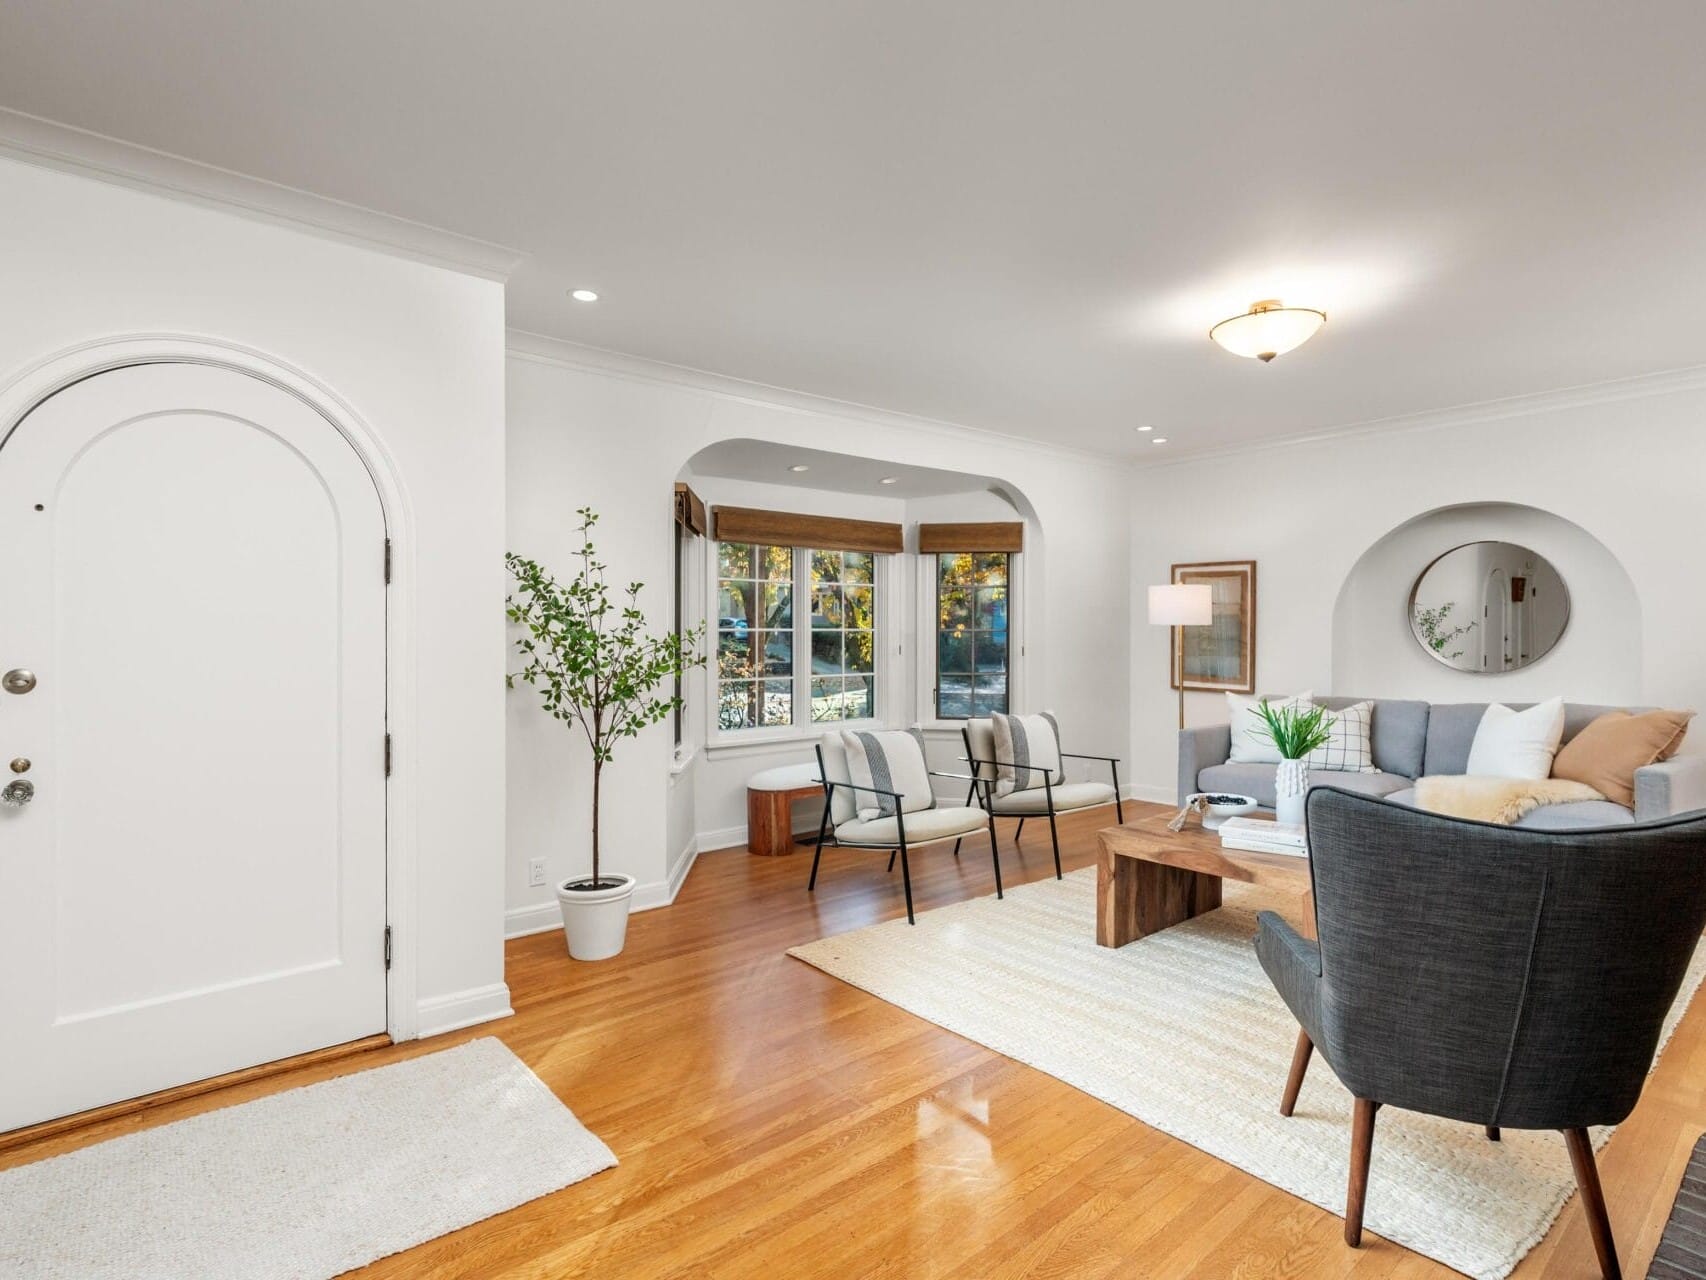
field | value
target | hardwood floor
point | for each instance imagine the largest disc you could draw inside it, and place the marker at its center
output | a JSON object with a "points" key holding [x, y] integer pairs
{"points": [[771, 1120]]}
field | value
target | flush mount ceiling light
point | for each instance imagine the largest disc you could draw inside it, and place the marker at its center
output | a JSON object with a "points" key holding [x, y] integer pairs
{"points": [[1268, 329], [584, 295]]}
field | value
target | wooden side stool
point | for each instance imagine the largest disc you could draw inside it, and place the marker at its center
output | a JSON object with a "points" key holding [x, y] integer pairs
{"points": [[770, 800]]}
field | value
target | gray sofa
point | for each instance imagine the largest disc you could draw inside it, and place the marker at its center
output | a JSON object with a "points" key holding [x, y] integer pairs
{"points": [[1419, 739]]}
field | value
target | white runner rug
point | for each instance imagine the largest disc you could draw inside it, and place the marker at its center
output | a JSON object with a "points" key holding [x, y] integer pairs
{"points": [[302, 1185], [1184, 1031]]}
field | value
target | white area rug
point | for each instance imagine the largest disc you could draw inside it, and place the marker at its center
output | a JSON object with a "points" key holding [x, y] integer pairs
{"points": [[1184, 1031], [305, 1184]]}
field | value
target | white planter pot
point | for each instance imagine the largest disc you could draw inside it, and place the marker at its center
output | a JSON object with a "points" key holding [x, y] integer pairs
{"points": [[595, 921], [1291, 785]]}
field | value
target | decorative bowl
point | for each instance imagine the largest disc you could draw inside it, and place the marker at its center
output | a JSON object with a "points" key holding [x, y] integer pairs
{"points": [[1221, 805]]}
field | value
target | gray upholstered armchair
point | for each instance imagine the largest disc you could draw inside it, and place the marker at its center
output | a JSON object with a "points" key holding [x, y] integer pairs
{"points": [[1493, 975]]}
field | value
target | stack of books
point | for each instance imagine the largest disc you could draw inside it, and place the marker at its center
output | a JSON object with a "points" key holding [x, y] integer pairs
{"points": [[1258, 835]]}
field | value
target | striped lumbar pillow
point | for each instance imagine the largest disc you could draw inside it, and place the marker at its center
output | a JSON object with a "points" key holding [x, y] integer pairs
{"points": [[1026, 740], [892, 760]]}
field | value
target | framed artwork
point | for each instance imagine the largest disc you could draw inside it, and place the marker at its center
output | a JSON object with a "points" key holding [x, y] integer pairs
{"points": [[1221, 656]]}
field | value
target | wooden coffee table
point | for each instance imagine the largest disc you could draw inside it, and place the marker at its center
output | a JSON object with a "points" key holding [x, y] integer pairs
{"points": [[1149, 878]]}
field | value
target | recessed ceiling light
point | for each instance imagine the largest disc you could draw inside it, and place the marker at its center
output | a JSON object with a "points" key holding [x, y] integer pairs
{"points": [[1159, 440], [584, 295], [1146, 428], [800, 466], [888, 479]]}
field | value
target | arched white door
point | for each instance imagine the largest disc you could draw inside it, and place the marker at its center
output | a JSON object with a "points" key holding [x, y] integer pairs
{"points": [[1495, 625], [194, 575]]}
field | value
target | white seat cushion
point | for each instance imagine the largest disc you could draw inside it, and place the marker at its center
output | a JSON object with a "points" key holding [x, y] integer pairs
{"points": [[786, 777], [1069, 795], [921, 827]]}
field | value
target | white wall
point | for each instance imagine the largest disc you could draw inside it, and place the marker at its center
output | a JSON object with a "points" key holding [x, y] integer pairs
{"points": [[415, 352], [615, 433], [1622, 463]]}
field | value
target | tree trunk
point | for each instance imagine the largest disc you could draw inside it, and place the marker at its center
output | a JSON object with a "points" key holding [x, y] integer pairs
{"points": [[597, 771]]}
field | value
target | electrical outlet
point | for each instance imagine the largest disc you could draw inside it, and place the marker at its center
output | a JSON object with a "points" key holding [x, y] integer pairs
{"points": [[536, 872]]}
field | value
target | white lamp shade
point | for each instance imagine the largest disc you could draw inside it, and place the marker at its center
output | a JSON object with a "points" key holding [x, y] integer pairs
{"points": [[1180, 604]]}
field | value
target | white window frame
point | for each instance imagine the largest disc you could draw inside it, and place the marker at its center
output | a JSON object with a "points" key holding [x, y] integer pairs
{"points": [[885, 577], [1018, 609]]}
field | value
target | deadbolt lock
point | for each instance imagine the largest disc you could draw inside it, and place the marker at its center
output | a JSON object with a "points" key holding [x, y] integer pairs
{"points": [[21, 765], [17, 680]]}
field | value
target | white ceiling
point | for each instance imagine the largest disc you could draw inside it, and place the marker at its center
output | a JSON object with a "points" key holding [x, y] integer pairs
{"points": [[771, 463], [1011, 215]]}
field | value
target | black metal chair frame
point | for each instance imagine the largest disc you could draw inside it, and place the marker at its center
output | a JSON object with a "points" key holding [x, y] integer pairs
{"points": [[1113, 763], [901, 845]]}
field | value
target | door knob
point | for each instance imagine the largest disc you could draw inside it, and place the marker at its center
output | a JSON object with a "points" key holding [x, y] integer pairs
{"points": [[18, 794], [18, 680]]}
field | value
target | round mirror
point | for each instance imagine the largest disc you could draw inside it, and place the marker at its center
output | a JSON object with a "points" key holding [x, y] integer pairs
{"points": [[1489, 607]]}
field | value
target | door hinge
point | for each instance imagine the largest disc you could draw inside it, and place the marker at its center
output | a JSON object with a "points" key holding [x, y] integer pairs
{"points": [[387, 755], [387, 562], [387, 946]]}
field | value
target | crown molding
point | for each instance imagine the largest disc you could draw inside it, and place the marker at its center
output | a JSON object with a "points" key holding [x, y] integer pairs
{"points": [[544, 349], [1639, 387], [72, 150]]}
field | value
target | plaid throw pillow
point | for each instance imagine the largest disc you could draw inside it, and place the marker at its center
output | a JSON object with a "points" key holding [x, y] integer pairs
{"points": [[1026, 740], [1351, 748]]}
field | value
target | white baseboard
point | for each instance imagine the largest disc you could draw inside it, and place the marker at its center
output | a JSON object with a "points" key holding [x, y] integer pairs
{"points": [[1153, 794], [542, 917], [722, 838], [438, 1014]]}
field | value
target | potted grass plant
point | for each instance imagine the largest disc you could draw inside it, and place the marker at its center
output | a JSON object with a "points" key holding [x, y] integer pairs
{"points": [[587, 653], [1295, 731]]}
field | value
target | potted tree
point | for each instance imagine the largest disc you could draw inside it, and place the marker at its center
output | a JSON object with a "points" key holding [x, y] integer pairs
{"points": [[597, 669]]}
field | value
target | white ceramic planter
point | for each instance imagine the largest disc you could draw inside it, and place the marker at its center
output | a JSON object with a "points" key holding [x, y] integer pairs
{"points": [[1291, 785], [595, 921]]}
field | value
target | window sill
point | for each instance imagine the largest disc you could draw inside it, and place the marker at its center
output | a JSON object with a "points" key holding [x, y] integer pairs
{"points": [[782, 743]]}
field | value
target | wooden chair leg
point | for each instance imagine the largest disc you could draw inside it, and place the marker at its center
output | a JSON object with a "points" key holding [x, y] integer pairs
{"points": [[1593, 1201], [1492, 1133], [1299, 1064], [1362, 1146]]}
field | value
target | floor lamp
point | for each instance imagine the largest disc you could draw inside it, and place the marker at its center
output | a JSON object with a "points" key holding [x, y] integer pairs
{"points": [[1180, 605]]}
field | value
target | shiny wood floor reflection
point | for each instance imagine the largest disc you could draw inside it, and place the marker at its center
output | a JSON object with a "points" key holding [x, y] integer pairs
{"points": [[773, 1121]]}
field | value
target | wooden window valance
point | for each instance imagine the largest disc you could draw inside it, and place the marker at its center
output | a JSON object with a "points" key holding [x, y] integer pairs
{"points": [[690, 510], [790, 529], [998, 535]]}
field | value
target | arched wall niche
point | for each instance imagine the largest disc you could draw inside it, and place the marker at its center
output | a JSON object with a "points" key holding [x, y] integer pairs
{"points": [[1599, 658]]}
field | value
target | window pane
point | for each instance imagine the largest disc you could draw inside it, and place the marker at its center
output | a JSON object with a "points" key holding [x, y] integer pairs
{"points": [[859, 699], [778, 604], [737, 704], [954, 607], [992, 569], [826, 566], [861, 650], [990, 694], [778, 702], [860, 603], [953, 697], [953, 567], [826, 698], [734, 605], [734, 560], [990, 650], [776, 650], [826, 606], [826, 652], [857, 567], [778, 563], [734, 654], [992, 608], [954, 651]]}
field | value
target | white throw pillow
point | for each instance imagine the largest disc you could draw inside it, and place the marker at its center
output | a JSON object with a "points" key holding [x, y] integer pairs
{"points": [[894, 761], [1351, 748], [1517, 744], [1026, 740], [1250, 741]]}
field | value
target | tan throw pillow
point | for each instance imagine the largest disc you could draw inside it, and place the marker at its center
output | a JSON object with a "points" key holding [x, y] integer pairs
{"points": [[1607, 752]]}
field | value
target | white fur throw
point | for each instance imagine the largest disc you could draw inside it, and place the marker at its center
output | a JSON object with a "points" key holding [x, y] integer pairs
{"points": [[1500, 800]]}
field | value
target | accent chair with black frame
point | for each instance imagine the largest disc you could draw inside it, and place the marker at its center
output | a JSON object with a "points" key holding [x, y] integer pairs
{"points": [[843, 827], [1055, 796], [1500, 976]]}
